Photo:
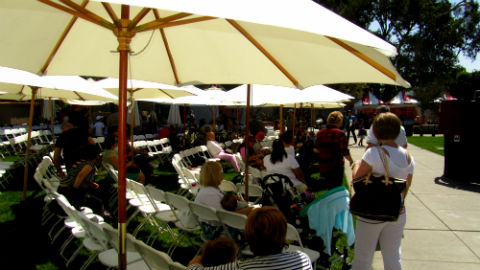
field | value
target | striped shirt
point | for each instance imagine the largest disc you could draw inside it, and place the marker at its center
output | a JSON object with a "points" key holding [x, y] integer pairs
{"points": [[290, 260]]}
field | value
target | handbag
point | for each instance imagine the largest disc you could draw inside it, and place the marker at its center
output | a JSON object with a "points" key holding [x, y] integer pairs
{"points": [[378, 197]]}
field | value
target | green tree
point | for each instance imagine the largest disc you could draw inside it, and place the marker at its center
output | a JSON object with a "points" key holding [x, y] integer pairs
{"points": [[429, 36]]}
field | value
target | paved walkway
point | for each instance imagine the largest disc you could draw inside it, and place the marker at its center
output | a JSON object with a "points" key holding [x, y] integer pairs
{"points": [[443, 221]]}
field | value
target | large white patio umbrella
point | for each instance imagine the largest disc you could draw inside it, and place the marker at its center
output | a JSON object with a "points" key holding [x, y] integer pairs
{"points": [[317, 96], [294, 43], [45, 87]]}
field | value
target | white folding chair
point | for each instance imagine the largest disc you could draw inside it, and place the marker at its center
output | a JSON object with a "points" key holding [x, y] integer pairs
{"points": [[227, 186], [155, 259], [186, 221], [206, 214], [110, 257], [255, 192], [294, 236]]}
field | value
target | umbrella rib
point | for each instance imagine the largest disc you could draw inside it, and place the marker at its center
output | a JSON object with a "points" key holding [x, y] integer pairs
{"points": [[168, 95], [60, 41], [111, 13], [94, 17], [170, 23], [365, 58], [167, 47], [79, 96], [77, 13], [264, 51]]}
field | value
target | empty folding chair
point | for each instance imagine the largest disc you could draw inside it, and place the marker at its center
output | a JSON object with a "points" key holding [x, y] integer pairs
{"points": [[155, 259], [294, 236], [255, 192], [109, 258]]}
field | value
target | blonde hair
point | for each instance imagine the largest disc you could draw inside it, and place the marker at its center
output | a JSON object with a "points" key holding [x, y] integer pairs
{"points": [[211, 174], [210, 135], [335, 117]]}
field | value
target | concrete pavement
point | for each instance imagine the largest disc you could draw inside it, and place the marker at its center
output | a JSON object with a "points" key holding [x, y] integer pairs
{"points": [[443, 221]]}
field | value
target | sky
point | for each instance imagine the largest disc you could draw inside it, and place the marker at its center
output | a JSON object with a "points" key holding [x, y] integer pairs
{"points": [[468, 64]]}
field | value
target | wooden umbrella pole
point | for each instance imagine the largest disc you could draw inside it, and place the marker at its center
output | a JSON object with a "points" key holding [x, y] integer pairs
{"points": [[247, 132], [124, 36], [184, 118], [312, 115], [281, 120], [52, 127], [214, 124], [27, 151], [294, 118]]}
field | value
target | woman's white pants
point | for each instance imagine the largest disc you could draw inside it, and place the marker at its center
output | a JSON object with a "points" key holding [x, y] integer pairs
{"points": [[387, 234]]}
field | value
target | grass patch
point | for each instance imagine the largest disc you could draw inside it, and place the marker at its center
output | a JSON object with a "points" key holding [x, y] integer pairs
{"points": [[7, 199], [433, 144], [12, 158]]}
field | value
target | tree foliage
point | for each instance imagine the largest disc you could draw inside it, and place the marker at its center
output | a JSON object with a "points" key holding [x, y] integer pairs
{"points": [[429, 36]]}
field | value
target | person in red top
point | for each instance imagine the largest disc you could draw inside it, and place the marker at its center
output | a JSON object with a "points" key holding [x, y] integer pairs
{"points": [[332, 147]]}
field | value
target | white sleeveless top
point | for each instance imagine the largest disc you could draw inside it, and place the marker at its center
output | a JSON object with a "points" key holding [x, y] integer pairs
{"points": [[397, 161]]}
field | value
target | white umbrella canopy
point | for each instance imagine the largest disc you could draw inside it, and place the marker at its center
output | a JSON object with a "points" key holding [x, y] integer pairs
{"points": [[270, 95], [19, 84], [313, 46], [149, 91]]}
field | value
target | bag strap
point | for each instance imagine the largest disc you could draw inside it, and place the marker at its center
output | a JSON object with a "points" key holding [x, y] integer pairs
{"points": [[384, 160]]}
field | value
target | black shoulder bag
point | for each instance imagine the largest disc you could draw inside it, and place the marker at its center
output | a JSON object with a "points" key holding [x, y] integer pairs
{"points": [[378, 197]]}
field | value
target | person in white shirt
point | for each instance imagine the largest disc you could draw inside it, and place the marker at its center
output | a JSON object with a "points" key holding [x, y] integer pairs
{"points": [[99, 127], [401, 139], [282, 163], [400, 165], [216, 150]]}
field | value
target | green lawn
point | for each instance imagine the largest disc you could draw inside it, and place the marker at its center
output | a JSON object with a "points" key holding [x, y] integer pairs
{"points": [[434, 144]]}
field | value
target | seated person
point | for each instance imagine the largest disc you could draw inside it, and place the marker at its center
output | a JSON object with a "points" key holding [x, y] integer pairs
{"points": [[255, 159], [282, 163], [232, 202], [288, 142], [265, 232], [211, 175], [216, 150], [219, 251], [79, 184], [110, 156], [258, 139]]}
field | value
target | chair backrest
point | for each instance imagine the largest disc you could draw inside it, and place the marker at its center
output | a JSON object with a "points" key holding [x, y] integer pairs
{"points": [[255, 192], [112, 236], [184, 213], [95, 231], [232, 219], [155, 259], [138, 189], [293, 235], [204, 212], [227, 186]]}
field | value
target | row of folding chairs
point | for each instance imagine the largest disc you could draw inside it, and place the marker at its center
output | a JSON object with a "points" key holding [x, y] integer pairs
{"points": [[97, 237], [144, 137]]}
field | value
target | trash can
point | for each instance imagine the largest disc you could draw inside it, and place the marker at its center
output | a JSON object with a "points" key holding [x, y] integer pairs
{"points": [[459, 125]]}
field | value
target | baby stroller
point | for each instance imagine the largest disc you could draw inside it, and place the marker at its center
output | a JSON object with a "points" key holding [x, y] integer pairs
{"points": [[278, 191]]}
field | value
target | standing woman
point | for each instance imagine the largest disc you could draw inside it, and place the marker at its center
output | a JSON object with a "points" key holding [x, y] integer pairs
{"points": [[386, 128]]}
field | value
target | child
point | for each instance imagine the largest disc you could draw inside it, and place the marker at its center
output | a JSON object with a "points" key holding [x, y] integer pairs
{"points": [[232, 202], [219, 251], [362, 132]]}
